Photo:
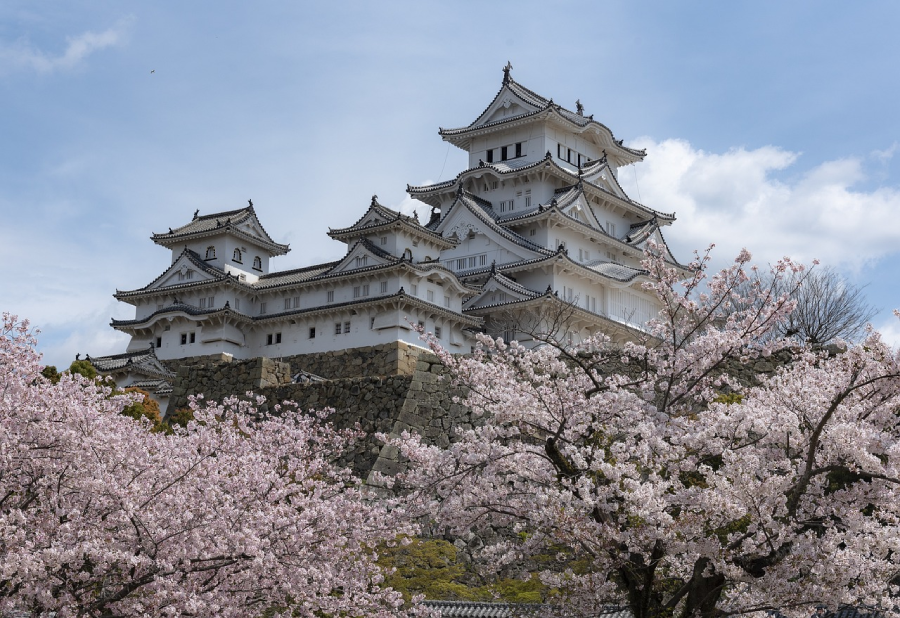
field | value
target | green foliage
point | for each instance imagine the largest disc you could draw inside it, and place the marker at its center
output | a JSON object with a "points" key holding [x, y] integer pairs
{"points": [[83, 368], [181, 417], [50, 373], [146, 408], [729, 398], [431, 567]]}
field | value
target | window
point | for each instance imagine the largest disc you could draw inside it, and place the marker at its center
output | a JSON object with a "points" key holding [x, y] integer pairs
{"points": [[384, 287], [490, 157], [362, 260], [183, 338], [277, 337], [237, 304], [472, 262], [257, 263], [569, 156], [519, 149], [610, 228], [532, 232], [506, 205], [482, 259], [337, 328], [446, 301], [356, 292], [559, 151], [193, 337], [237, 256], [384, 240], [461, 263], [346, 327], [509, 335], [210, 253], [269, 339], [211, 302], [262, 308], [330, 296], [296, 302], [159, 342], [407, 254], [189, 274], [414, 289], [203, 303], [503, 156], [493, 184], [287, 304], [422, 324], [430, 295], [365, 290], [371, 322], [528, 198], [312, 332], [437, 332]]}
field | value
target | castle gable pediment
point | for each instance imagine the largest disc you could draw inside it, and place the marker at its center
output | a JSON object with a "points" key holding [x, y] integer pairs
{"points": [[363, 254], [498, 290], [187, 269]]}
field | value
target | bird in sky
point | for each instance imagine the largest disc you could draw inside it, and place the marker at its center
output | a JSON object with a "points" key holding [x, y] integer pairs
{"points": [[152, 70]]}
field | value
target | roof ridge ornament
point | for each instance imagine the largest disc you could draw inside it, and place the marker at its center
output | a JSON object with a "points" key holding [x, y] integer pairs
{"points": [[459, 190], [374, 200], [579, 108], [196, 213], [506, 71], [250, 204]]}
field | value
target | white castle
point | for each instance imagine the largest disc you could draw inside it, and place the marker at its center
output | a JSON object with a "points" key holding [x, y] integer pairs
{"points": [[537, 225]]}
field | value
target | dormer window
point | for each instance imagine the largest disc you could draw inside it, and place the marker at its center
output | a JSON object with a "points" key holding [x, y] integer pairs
{"points": [[210, 253], [257, 263], [237, 256]]}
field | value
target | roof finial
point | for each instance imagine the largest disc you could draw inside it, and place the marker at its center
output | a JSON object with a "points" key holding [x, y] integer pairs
{"points": [[579, 107], [78, 356], [250, 202], [196, 212], [374, 199], [506, 71], [494, 267], [459, 190]]}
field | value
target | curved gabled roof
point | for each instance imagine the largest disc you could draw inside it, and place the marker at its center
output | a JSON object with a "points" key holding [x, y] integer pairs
{"points": [[178, 307], [217, 275], [483, 210], [143, 362], [384, 218], [217, 223], [540, 105]]}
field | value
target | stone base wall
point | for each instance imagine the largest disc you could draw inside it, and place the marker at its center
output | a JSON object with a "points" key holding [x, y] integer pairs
{"points": [[218, 381], [389, 359], [421, 401], [173, 364]]}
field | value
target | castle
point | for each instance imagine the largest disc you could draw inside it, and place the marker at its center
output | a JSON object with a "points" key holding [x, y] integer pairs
{"points": [[537, 225]]}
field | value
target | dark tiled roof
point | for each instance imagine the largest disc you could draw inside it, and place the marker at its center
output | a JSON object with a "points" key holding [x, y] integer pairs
{"points": [[173, 308], [143, 362], [297, 275], [157, 387], [388, 217], [220, 222]]}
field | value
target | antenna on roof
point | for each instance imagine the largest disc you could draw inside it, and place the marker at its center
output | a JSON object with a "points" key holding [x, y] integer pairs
{"points": [[506, 71], [579, 107]]}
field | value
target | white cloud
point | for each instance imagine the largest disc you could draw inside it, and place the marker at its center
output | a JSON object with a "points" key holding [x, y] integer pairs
{"points": [[735, 200], [23, 56]]}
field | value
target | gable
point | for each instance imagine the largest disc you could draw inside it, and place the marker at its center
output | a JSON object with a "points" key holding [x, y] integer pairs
{"points": [[506, 105], [482, 238], [495, 293], [580, 210], [360, 256], [183, 271]]}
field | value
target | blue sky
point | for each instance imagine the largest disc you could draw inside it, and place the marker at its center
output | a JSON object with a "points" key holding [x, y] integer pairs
{"points": [[769, 125]]}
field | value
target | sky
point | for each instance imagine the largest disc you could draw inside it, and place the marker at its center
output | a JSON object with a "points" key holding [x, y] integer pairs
{"points": [[768, 125]]}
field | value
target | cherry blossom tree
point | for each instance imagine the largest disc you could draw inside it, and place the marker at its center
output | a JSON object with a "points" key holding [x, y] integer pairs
{"points": [[230, 516], [663, 483]]}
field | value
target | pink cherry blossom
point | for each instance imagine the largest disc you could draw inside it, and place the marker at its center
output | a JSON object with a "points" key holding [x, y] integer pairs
{"points": [[228, 517], [679, 500]]}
